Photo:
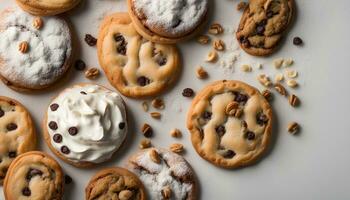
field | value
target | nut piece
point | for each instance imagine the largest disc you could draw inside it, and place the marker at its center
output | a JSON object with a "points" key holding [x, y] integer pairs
{"points": [[259, 66], [278, 63], [147, 130], [38, 23], [203, 39], [231, 107], [92, 73], [291, 73], [264, 80], [288, 62], [267, 94], [241, 5], [219, 45], [125, 195], [292, 83], [293, 100], [293, 128], [175, 133], [166, 192], [216, 29], [201, 73], [145, 143], [155, 115], [279, 77], [23, 47], [177, 148], [280, 89], [145, 106], [212, 56], [246, 68], [154, 156], [158, 104]]}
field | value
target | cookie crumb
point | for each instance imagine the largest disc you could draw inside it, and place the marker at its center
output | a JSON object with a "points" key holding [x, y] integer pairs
{"points": [[241, 5], [23, 47], [154, 156], [292, 83], [278, 63], [145, 143], [216, 29], [201, 73], [147, 130], [176, 133], [259, 66], [90, 40], [219, 45], [246, 68], [293, 128], [291, 73], [212, 56], [92, 73], [203, 39], [158, 103], [294, 100], [177, 148], [155, 115]]}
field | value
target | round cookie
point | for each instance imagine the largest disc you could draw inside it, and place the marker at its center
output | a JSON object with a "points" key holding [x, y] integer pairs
{"points": [[35, 51], [34, 175], [166, 175], [47, 7], [230, 123], [133, 65], [168, 22], [85, 124], [17, 133], [115, 183], [263, 24]]}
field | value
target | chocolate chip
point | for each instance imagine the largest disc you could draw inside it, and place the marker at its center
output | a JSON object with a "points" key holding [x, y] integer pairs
{"points": [[143, 81], [118, 37], [54, 107], [67, 179], [297, 41], [33, 172], [65, 150], [80, 65], [121, 49], [2, 113], [261, 119], [207, 115], [57, 138], [229, 154], [245, 42], [121, 125], [26, 192], [269, 14], [90, 40], [73, 131], [53, 125], [220, 130], [260, 29], [161, 60], [12, 154], [11, 126], [250, 135], [83, 93], [241, 98], [187, 92]]}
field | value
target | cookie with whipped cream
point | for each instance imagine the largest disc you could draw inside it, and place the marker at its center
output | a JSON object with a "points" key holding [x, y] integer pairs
{"points": [[230, 123], [135, 66], [166, 175], [85, 124], [47, 7], [115, 183], [34, 175], [35, 52], [170, 21]]}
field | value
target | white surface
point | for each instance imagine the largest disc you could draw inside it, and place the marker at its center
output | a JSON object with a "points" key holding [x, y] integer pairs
{"points": [[313, 165]]}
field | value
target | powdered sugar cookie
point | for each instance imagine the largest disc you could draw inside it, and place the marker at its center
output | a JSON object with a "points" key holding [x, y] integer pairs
{"points": [[85, 124], [168, 21], [166, 175], [47, 7], [17, 134], [133, 65], [230, 123], [34, 51]]}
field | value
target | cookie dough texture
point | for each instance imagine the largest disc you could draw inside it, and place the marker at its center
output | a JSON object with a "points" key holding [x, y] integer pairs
{"points": [[48, 52], [115, 183], [230, 124], [263, 24], [34, 175], [17, 133], [47, 7], [135, 66]]}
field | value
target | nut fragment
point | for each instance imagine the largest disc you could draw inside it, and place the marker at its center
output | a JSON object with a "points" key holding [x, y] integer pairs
{"points": [[279, 77], [145, 106], [259, 66], [212, 56], [264, 80], [291, 73], [177, 148], [145, 143], [267, 94], [231, 107], [241, 5], [216, 29], [219, 45], [293, 128], [92, 73], [288, 62], [293, 100], [175, 133], [158, 103], [166, 192], [23, 47], [280, 89], [201, 73], [125, 194], [203, 39], [37, 23], [292, 83], [154, 156], [147, 130], [155, 115], [246, 68], [278, 63]]}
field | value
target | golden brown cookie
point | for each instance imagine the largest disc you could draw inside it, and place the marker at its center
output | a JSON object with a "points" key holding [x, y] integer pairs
{"points": [[17, 133], [115, 183], [230, 123], [34, 175], [263, 24], [168, 22], [47, 7], [136, 67]]}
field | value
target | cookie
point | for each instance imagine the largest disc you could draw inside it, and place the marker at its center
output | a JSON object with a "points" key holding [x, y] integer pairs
{"points": [[47, 7], [168, 22], [115, 183], [85, 124], [34, 175], [263, 24], [166, 175], [35, 51], [17, 133], [136, 67], [230, 123]]}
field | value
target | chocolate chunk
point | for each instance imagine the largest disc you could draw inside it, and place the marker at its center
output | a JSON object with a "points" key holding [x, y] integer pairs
{"points": [[220, 130], [12, 154], [26, 192], [54, 107], [33, 172], [261, 119], [118, 37], [80, 65], [73, 131], [207, 115], [269, 14], [11, 126], [161, 60], [65, 150], [250, 135], [245, 42], [240, 98], [143, 81], [187, 92], [53, 125], [121, 125], [260, 29], [229, 154], [121, 49], [57, 138], [297, 41], [2, 113], [83, 93], [90, 40], [67, 179]]}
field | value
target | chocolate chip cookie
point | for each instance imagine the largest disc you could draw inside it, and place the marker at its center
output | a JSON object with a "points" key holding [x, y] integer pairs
{"points": [[263, 24], [17, 133], [230, 123], [135, 66], [115, 183]]}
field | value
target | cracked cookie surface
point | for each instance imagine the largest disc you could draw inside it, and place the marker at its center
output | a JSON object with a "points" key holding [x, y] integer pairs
{"points": [[263, 24], [230, 123], [47, 7]]}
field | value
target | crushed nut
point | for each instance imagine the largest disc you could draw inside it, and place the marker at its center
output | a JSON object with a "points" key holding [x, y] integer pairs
{"points": [[216, 29], [278, 63], [293, 128], [158, 104], [201, 73], [231, 108], [267, 94], [291, 73], [177, 148], [203, 39], [219, 45], [241, 5], [37, 23], [246, 68], [288, 62], [264, 80], [23, 47], [125, 194], [293, 100], [154, 156], [166, 192], [212, 56], [280, 89], [92, 73], [145, 143], [145, 106], [176, 133], [147, 130], [279, 77], [155, 115], [292, 83]]}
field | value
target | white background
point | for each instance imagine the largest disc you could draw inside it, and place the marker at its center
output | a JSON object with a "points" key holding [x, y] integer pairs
{"points": [[312, 165]]}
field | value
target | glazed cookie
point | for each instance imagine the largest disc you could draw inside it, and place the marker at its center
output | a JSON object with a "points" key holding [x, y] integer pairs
{"points": [[115, 183], [133, 65], [34, 52], [263, 24], [47, 7], [34, 175], [17, 133], [166, 175], [230, 123], [168, 22], [86, 124]]}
